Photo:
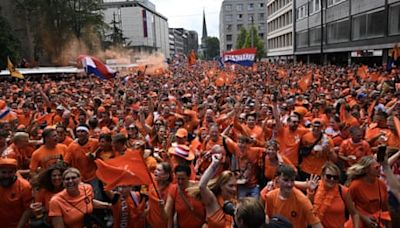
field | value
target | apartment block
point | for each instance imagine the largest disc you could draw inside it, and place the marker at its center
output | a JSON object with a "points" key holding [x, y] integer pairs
{"points": [[280, 29], [353, 31], [235, 14]]}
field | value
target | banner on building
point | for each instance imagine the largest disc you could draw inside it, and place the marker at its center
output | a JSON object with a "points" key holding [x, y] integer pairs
{"points": [[244, 57]]}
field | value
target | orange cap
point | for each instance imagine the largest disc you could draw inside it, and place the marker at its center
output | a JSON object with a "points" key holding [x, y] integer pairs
{"points": [[8, 162]]}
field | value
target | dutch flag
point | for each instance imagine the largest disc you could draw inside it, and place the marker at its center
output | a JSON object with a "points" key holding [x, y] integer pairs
{"points": [[94, 66]]}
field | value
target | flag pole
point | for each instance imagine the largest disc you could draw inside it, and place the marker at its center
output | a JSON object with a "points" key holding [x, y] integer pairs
{"points": [[151, 177]]}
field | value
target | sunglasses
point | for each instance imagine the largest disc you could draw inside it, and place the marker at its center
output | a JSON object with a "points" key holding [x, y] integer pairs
{"points": [[70, 178], [332, 177]]}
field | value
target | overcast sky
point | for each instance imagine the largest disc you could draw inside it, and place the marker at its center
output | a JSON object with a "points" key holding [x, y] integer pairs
{"points": [[188, 14]]}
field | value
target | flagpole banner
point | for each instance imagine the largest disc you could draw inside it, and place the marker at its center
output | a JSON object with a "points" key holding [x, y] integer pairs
{"points": [[244, 57]]}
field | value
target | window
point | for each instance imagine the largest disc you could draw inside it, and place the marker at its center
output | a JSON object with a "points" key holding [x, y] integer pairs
{"points": [[261, 35], [301, 12], [239, 7], [251, 18], [250, 6], [228, 18], [302, 39], [315, 36], [228, 7], [228, 28], [261, 5], [228, 46], [338, 31], [368, 25], [238, 27], [394, 19], [261, 27], [315, 6], [228, 37], [261, 16], [334, 2], [240, 16]]}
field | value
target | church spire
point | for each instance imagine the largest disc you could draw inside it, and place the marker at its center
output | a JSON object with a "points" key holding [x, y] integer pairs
{"points": [[204, 26]]}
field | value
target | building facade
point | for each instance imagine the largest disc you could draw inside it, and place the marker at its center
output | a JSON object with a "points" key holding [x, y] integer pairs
{"points": [[280, 29], [182, 41], [143, 27], [353, 31], [235, 14]]}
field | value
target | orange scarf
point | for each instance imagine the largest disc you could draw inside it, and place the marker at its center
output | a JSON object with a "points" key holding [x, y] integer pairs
{"points": [[323, 199]]}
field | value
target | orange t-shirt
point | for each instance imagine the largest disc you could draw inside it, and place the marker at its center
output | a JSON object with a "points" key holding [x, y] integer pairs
{"points": [[44, 196], [219, 219], [67, 141], [360, 149], [154, 217], [334, 215], [14, 201], [289, 142], [297, 208], [368, 198], [270, 169], [72, 208], [312, 164], [76, 157], [22, 155], [44, 157], [186, 217], [135, 209]]}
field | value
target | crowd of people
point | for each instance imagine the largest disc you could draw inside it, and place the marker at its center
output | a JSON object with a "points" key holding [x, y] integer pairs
{"points": [[273, 145]]}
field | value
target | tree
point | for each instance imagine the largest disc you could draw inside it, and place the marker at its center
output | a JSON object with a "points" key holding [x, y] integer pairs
{"points": [[212, 44], [253, 40], [9, 44], [241, 39], [57, 22]]}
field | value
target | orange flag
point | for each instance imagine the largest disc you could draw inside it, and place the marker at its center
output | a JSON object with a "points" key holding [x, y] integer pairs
{"points": [[305, 81], [375, 76], [128, 169], [362, 72], [192, 58]]}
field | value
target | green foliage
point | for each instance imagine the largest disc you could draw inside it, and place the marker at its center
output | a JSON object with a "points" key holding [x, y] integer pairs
{"points": [[9, 44], [241, 39], [212, 51], [247, 39], [56, 22]]}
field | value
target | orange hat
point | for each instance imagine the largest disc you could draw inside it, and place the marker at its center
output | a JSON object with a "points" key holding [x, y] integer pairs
{"points": [[8, 162], [105, 130], [182, 151], [300, 110], [181, 133]]}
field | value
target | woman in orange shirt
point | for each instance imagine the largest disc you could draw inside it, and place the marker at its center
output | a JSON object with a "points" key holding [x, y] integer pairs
{"points": [[331, 199], [369, 193], [158, 194], [190, 212], [68, 207], [50, 183], [214, 194]]}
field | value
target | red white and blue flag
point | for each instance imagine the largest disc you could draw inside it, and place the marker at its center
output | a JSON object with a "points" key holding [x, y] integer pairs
{"points": [[94, 66], [244, 57]]}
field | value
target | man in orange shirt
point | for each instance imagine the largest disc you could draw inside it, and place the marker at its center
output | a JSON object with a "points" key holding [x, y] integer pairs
{"points": [[49, 153], [290, 202], [354, 148], [289, 136], [62, 136], [16, 195], [79, 156]]}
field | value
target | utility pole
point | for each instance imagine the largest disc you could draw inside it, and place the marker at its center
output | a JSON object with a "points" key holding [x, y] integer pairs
{"points": [[252, 31], [322, 32]]}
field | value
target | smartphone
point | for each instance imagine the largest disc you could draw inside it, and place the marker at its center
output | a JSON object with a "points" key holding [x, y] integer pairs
{"points": [[380, 156]]}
